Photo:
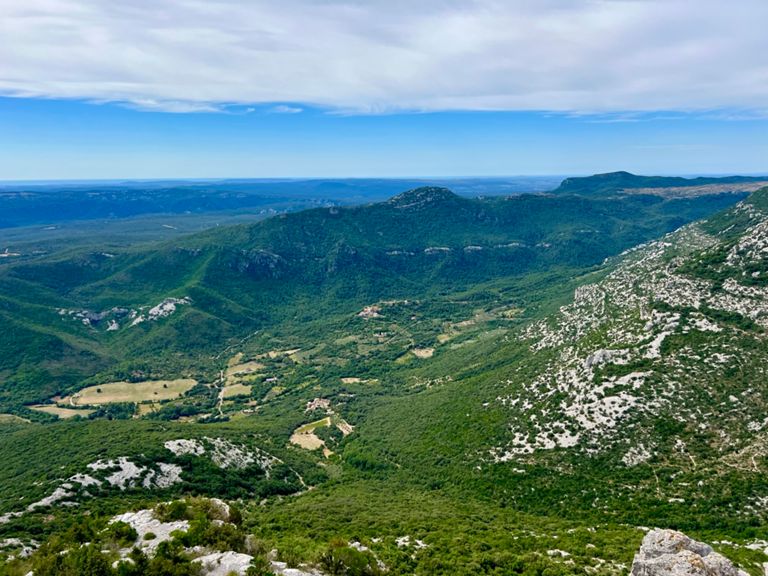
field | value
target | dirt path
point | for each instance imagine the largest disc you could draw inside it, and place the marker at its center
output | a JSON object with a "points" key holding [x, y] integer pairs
{"points": [[222, 384]]}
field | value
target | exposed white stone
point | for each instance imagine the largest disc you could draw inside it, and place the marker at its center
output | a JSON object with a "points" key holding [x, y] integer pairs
{"points": [[558, 553], [168, 475], [145, 523], [126, 474], [671, 553], [629, 317], [636, 455], [405, 542], [61, 493], [182, 447], [226, 454], [223, 453], [224, 563], [84, 480], [24, 549], [166, 307]]}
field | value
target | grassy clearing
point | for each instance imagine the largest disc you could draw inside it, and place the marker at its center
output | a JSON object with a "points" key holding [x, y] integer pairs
{"points": [[147, 408], [423, 352], [152, 390], [272, 354], [12, 419], [236, 390], [244, 368], [237, 368], [304, 436], [309, 428], [60, 411], [355, 380], [273, 393]]}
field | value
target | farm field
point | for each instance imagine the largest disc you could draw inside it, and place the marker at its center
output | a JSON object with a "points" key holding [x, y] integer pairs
{"points": [[236, 390], [137, 392], [12, 419], [305, 437], [61, 411]]}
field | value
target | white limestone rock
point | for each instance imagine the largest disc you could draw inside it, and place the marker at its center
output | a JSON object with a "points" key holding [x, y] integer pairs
{"points": [[224, 563], [182, 447], [671, 553], [151, 531]]}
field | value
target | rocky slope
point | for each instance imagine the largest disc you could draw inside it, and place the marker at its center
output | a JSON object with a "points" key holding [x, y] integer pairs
{"points": [[676, 331]]}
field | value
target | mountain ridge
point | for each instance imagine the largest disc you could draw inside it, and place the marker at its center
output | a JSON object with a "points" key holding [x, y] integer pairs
{"points": [[617, 182], [239, 279]]}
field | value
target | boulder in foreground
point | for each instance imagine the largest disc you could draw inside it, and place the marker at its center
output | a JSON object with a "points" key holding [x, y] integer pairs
{"points": [[671, 553]]}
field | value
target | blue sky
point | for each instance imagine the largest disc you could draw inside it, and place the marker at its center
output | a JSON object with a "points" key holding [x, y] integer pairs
{"points": [[252, 88], [48, 139]]}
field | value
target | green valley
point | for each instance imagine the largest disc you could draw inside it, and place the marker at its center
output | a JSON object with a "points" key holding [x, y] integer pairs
{"points": [[427, 385]]}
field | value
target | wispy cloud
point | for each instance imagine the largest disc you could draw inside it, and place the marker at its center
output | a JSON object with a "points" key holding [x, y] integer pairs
{"points": [[285, 109], [173, 106], [738, 115], [377, 56]]}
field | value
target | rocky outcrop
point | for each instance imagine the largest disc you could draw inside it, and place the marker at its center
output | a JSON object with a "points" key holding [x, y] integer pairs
{"points": [[671, 553], [227, 563], [150, 531], [669, 323], [224, 563], [260, 264], [424, 197]]}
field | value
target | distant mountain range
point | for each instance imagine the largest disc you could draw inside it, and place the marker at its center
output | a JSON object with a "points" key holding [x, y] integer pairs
{"points": [[26, 204], [248, 277], [616, 182]]}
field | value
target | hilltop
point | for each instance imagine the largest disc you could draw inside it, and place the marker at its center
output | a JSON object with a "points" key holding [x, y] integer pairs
{"points": [[618, 182], [419, 198]]}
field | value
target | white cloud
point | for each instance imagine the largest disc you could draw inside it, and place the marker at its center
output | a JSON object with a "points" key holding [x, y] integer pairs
{"points": [[174, 106], [372, 56], [284, 109]]}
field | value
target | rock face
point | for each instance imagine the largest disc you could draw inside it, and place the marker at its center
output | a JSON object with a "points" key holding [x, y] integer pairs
{"points": [[424, 197], [227, 563], [224, 563], [151, 532], [670, 553], [668, 324]]}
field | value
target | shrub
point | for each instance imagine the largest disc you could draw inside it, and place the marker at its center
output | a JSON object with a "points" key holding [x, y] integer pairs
{"points": [[122, 533]]}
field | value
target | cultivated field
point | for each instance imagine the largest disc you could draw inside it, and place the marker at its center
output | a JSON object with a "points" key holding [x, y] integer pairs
{"points": [[151, 390], [61, 412], [12, 419], [236, 390], [237, 369], [305, 437]]}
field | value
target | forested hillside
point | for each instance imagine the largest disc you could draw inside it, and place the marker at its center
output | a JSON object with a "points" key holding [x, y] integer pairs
{"points": [[78, 317], [429, 385]]}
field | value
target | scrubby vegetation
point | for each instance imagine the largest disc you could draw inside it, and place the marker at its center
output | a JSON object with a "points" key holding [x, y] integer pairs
{"points": [[426, 334]]}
